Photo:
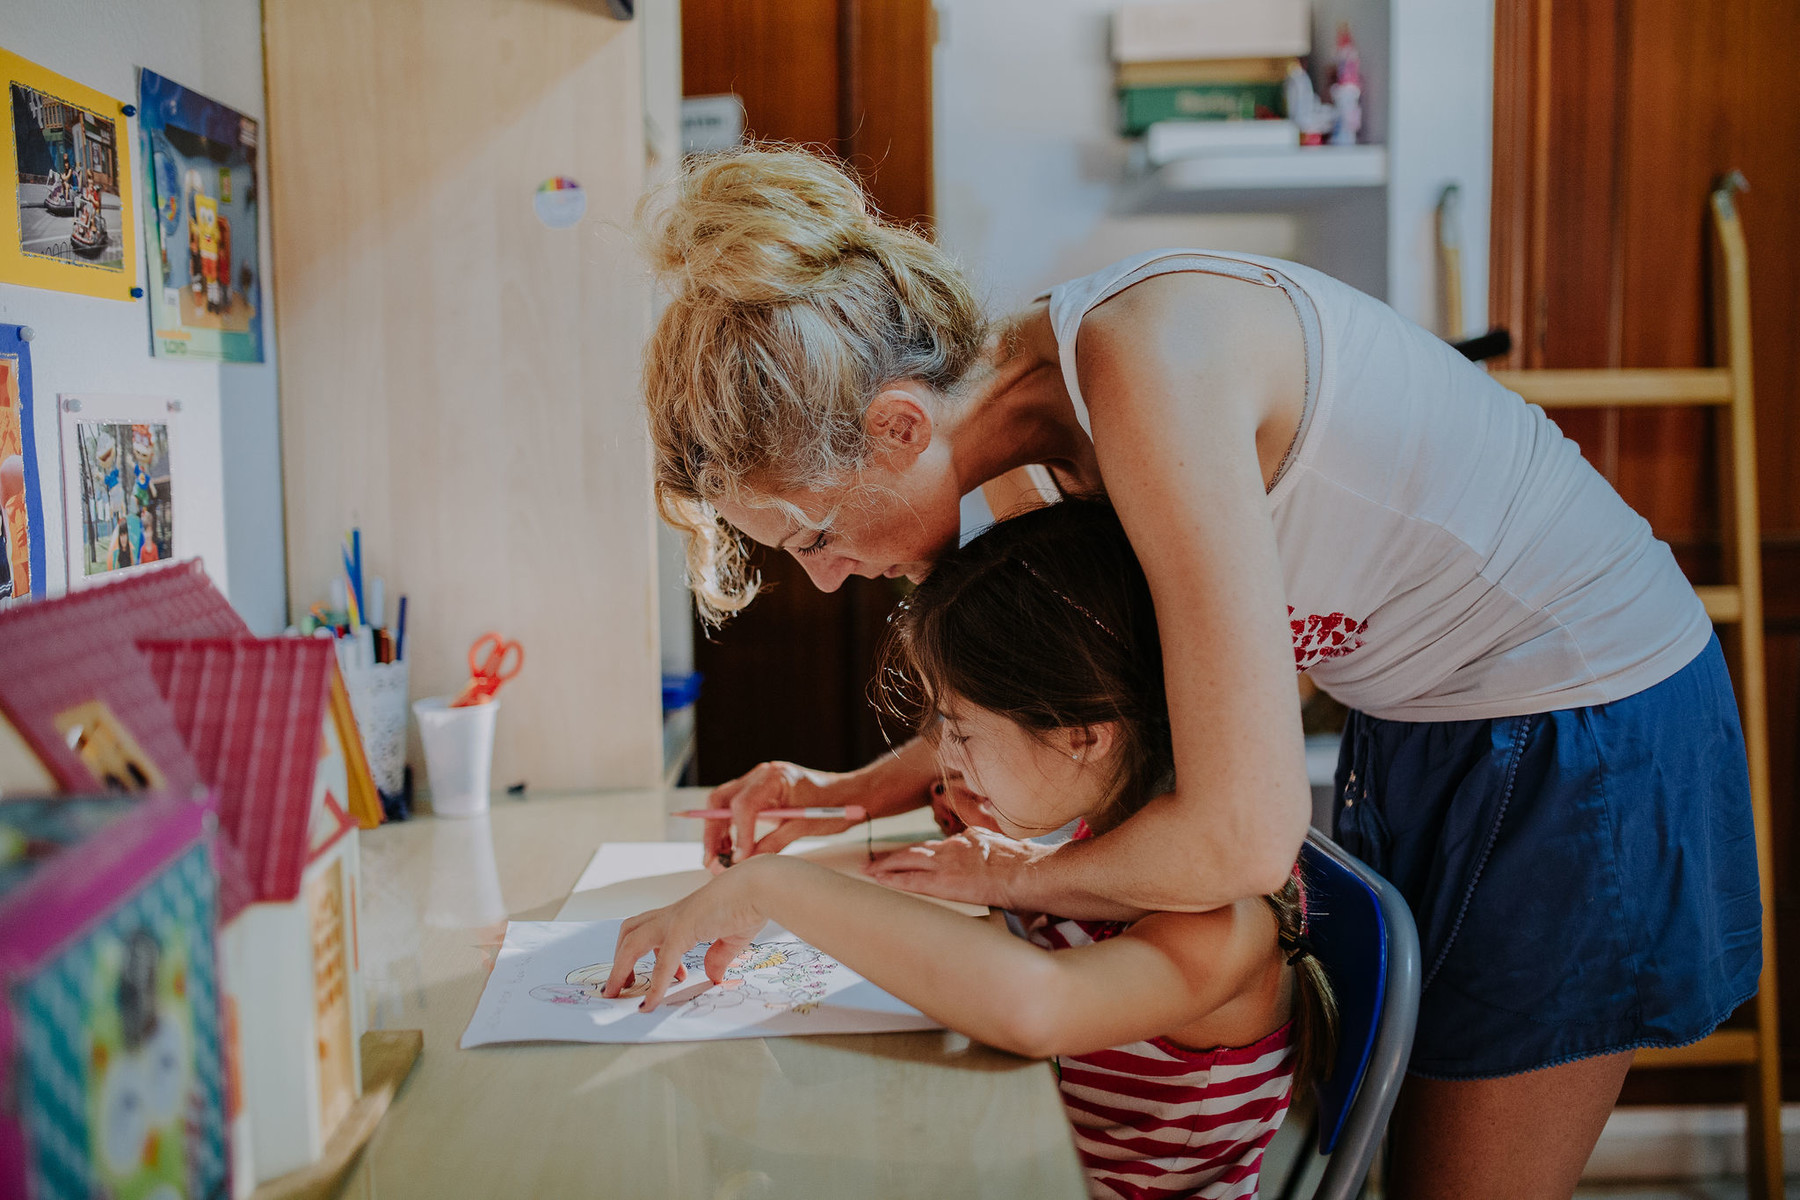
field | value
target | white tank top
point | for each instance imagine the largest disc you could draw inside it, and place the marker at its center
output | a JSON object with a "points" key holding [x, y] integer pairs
{"points": [[1447, 553]]}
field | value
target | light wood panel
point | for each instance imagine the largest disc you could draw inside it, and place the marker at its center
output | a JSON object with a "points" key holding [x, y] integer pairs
{"points": [[456, 377]]}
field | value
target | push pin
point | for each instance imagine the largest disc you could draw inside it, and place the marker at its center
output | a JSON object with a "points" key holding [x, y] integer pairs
{"points": [[129, 110]]}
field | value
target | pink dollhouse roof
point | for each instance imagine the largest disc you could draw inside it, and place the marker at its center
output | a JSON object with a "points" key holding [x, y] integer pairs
{"points": [[253, 712], [82, 647]]}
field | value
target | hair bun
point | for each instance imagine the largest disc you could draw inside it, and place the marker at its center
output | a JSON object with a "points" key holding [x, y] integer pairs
{"points": [[758, 226]]}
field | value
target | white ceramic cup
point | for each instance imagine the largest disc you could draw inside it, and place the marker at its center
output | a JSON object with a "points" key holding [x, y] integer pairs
{"points": [[459, 754]]}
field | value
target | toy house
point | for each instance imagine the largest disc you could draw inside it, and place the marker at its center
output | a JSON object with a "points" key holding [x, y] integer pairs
{"points": [[78, 709], [153, 683], [110, 1039], [261, 723]]}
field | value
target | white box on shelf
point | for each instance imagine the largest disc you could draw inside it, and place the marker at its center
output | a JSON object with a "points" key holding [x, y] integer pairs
{"points": [[1166, 141], [1212, 29]]}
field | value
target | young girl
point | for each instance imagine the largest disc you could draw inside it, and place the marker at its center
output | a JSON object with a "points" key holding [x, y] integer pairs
{"points": [[1032, 656]]}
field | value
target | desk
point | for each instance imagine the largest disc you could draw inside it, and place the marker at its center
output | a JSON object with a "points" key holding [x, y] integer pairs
{"points": [[890, 1115]]}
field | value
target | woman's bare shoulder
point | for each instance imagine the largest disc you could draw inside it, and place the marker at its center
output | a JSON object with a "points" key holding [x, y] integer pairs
{"points": [[1192, 317]]}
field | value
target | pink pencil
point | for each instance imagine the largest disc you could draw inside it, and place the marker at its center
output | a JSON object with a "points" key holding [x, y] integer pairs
{"points": [[850, 812]]}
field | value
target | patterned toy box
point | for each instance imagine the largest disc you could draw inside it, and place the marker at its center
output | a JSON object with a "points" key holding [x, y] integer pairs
{"points": [[113, 1083]]}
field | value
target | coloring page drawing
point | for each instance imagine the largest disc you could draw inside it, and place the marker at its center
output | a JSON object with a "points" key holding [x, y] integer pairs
{"points": [[547, 983]]}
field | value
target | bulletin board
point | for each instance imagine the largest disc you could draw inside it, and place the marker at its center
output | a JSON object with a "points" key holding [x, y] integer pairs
{"points": [[94, 344]]}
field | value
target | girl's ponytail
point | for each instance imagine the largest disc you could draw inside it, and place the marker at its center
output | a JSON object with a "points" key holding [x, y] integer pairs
{"points": [[1315, 1007]]}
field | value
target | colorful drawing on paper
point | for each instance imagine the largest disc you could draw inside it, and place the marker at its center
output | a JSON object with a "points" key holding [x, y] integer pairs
{"points": [[127, 509], [785, 976], [198, 160], [21, 499], [547, 981], [70, 162]]}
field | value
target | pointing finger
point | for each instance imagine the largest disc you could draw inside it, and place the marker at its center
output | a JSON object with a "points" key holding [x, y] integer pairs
{"points": [[668, 961]]}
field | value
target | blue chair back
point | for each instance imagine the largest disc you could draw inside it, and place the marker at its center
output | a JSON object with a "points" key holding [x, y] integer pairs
{"points": [[1363, 934]]}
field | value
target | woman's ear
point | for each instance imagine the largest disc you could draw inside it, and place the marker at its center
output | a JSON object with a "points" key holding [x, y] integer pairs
{"points": [[898, 422]]}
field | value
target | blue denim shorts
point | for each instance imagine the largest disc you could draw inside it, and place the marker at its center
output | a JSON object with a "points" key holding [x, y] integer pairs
{"points": [[1584, 880]]}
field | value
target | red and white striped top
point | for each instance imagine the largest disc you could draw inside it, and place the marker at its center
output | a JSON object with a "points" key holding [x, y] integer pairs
{"points": [[1154, 1120]]}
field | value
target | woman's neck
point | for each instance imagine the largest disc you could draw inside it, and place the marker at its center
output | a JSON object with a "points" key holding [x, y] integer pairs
{"points": [[1018, 412]]}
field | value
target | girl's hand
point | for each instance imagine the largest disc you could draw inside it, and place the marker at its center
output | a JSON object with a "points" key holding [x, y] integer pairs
{"points": [[977, 866], [723, 912], [771, 785]]}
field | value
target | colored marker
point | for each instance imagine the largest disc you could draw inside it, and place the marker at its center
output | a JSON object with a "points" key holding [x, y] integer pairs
{"points": [[849, 812]]}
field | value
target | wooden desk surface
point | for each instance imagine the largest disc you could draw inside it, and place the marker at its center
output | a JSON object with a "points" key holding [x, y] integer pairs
{"points": [[890, 1115]]}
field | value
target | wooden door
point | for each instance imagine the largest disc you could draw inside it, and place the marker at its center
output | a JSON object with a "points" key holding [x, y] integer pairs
{"points": [[790, 677], [1613, 120]]}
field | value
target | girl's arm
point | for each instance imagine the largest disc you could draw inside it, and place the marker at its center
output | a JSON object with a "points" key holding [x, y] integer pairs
{"points": [[1167, 972], [1195, 383]]}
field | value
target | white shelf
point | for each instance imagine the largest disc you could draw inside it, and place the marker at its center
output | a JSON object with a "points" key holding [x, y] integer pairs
{"points": [[1307, 168]]}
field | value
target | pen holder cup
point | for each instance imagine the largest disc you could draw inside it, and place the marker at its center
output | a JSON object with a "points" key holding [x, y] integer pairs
{"points": [[378, 698], [459, 754]]}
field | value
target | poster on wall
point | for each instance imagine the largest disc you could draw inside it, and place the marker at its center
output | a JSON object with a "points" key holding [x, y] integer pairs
{"points": [[21, 497], [69, 160], [199, 166], [118, 487]]}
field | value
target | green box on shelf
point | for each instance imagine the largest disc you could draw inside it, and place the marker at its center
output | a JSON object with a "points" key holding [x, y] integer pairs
{"points": [[1142, 107]]}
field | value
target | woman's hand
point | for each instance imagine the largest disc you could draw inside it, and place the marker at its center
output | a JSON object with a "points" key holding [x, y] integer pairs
{"points": [[771, 785], [977, 866], [723, 912]]}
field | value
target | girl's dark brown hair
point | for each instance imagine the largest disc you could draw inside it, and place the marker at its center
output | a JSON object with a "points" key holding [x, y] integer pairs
{"points": [[1046, 619]]}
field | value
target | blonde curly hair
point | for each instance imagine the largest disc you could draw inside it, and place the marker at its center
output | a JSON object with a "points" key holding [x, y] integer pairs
{"points": [[792, 306]]}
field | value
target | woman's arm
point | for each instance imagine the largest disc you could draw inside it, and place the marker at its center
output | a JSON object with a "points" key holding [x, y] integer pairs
{"points": [[893, 783], [973, 976], [1196, 385]]}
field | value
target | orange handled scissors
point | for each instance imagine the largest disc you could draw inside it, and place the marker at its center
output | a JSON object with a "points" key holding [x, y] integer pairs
{"points": [[492, 661]]}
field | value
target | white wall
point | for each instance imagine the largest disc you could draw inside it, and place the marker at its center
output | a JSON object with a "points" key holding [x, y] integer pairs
{"points": [[1441, 118], [1028, 165], [1026, 159], [83, 344]]}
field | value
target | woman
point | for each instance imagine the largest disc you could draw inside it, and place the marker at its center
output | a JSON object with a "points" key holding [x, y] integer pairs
{"points": [[1544, 753]]}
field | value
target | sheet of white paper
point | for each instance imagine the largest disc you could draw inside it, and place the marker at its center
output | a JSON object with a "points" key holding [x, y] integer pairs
{"points": [[546, 985], [624, 879]]}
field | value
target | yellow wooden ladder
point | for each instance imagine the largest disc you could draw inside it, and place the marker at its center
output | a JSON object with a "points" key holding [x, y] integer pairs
{"points": [[1736, 605]]}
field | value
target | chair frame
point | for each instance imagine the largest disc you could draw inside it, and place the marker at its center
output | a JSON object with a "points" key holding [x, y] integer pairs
{"points": [[1351, 1154]]}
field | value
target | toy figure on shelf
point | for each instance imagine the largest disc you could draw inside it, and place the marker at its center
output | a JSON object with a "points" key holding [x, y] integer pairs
{"points": [[1314, 116], [1346, 89]]}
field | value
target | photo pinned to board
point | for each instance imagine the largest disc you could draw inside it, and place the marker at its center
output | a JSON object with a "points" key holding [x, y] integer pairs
{"points": [[199, 166], [21, 493], [118, 484], [68, 155]]}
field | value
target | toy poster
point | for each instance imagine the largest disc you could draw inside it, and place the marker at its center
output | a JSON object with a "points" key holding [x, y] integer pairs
{"points": [[199, 168], [118, 487], [21, 497], [71, 165]]}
